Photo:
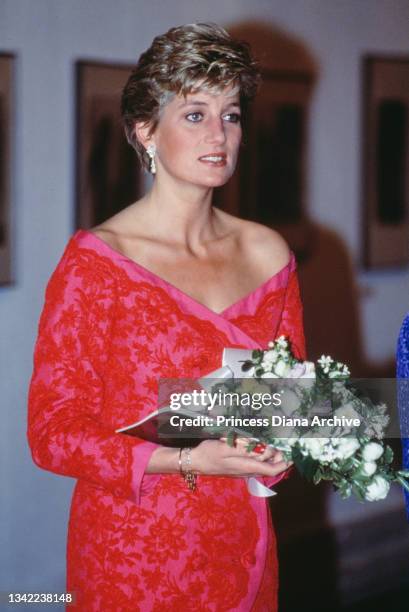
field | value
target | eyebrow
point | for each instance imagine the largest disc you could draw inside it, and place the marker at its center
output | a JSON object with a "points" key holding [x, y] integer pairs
{"points": [[201, 103]]}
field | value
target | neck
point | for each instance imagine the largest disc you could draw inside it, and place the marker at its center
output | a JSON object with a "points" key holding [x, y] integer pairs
{"points": [[181, 213]]}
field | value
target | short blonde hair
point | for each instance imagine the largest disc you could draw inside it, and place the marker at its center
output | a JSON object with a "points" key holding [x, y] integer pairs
{"points": [[185, 59]]}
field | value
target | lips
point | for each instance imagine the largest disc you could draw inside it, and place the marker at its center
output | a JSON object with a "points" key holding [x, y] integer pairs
{"points": [[214, 159]]}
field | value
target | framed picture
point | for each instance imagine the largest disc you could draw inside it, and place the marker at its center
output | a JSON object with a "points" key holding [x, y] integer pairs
{"points": [[386, 161], [109, 176], [6, 128]]}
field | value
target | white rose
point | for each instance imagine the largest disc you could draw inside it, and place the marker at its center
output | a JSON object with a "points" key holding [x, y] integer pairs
{"points": [[281, 369], [314, 446], [267, 366], [269, 357], [372, 451], [378, 489], [368, 468], [347, 447]]}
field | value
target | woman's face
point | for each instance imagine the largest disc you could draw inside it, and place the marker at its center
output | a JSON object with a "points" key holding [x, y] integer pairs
{"points": [[198, 138]]}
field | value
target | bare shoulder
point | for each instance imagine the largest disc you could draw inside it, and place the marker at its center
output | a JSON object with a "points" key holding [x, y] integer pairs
{"points": [[266, 247], [107, 233], [116, 229], [265, 241]]}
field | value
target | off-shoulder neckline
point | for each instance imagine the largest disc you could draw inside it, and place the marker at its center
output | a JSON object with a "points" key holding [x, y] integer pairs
{"points": [[100, 245]]}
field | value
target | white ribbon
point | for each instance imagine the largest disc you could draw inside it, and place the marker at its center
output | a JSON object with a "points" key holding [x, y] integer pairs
{"points": [[257, 489]]}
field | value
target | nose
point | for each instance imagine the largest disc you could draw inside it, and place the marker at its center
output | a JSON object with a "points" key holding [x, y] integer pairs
{"points": [[216, 133]]}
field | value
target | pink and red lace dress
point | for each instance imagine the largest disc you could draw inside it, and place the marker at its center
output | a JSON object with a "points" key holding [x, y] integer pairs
{"points": [[109, 330]]}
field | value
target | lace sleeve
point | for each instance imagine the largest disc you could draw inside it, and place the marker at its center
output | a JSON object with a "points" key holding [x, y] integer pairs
{"points": [[66, 433]]}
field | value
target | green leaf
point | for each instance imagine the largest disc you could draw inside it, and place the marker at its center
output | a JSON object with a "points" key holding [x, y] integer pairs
{"points": [[403, 482], [344, 488], [347, 465], [230, 438], [357, 491], [344, 493], [317, 477], [388, 455], [251, 444], [247, 365]]}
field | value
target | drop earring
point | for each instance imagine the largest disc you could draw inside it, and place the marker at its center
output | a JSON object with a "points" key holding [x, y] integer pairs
{"points": [[151, 150]]}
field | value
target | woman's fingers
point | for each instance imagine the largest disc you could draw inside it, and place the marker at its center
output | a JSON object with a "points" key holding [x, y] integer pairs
{"points": [[213, 457], [269, 454], [252, 467], [261, 452]]}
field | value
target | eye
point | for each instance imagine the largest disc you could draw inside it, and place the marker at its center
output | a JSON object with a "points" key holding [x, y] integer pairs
{"points": [[194, 117], [232, 117]]}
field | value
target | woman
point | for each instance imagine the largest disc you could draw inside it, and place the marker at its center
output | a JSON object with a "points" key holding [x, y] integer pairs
{"points": [[403, 389], [158, 291]]}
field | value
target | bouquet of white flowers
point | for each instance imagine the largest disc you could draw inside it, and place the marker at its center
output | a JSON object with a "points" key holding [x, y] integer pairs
{"points": [[348, 451]]}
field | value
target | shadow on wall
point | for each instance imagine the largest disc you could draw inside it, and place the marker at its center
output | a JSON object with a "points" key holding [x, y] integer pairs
{"points": [[270, 187], [331, 303]]}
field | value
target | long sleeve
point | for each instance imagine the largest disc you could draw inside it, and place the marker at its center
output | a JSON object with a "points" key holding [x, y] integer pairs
{"points": [[66, 431], [403, 393]]}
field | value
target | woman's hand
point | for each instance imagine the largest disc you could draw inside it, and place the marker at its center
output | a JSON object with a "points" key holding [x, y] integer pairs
{"points": [[217, 458]]}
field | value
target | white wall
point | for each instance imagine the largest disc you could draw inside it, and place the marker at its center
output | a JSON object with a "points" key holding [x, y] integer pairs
{"points": [[47, 37]]}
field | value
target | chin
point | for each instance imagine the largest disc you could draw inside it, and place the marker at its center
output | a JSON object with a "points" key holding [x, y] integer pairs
{"points": [[215, 181], [207, 180]]}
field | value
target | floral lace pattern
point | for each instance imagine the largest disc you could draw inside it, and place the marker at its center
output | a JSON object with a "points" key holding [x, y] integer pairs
{"points": [[109, 329]]}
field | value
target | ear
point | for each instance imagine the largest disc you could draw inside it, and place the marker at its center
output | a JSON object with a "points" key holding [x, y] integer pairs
{"points": [[143, 132]]}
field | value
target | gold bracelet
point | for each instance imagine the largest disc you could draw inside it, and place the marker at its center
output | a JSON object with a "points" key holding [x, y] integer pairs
{"points": [[185, 462]]}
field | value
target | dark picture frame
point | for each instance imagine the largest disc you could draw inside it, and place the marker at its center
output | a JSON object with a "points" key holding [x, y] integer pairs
{"points": [[108, 173], [7, 61], [386, 161]]}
